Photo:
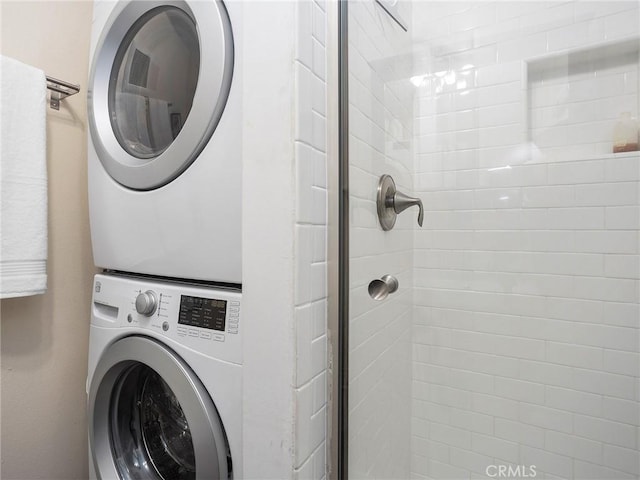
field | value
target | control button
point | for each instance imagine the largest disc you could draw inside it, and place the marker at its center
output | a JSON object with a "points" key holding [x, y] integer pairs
{"points": [[234, 321], [193, 333], [234, 310], [232, 330], [234, 304], [165, 326], [218, 337], [146, 303], [129, 318], [205, 335], [182, 331], [234, 315]]}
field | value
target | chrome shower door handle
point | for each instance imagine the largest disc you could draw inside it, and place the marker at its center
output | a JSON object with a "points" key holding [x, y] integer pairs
{"points": [[390, 203]]}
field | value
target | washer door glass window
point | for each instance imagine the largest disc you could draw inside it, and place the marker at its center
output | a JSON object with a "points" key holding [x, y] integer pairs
{"points": [[150, 433], [153, 81], [150, 417]]}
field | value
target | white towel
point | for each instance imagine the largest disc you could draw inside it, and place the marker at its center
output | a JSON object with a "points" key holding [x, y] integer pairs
{"points": [[23, 180]]}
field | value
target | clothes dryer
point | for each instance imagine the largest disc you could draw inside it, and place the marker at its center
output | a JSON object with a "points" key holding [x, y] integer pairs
{"points": [[164, 381], [165, 121]]}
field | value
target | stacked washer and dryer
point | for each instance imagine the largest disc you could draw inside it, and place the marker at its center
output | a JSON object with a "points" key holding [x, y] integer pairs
{"points": [[165, 353]]}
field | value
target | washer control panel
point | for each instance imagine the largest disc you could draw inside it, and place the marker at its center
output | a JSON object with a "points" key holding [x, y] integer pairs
{"points": [[209, 313], [203, 318]]}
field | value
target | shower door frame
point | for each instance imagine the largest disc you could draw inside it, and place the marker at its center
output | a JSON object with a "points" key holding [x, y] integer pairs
{"points": [[338, 239], [341, 398]]}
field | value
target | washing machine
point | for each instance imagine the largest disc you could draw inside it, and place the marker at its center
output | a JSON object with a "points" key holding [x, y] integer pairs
{"points": [[165, 381], [165, 143]]}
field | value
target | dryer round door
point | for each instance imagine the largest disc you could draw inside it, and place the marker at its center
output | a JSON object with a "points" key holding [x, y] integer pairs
{"points": [[150, 418], [159, 82]]}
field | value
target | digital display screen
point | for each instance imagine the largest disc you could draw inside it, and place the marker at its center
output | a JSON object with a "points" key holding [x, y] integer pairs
{"points": [[202, 312]]}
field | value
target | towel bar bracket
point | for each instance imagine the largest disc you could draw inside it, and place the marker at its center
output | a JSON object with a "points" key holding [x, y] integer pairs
{"points": [[59, 91], [54, 102]]}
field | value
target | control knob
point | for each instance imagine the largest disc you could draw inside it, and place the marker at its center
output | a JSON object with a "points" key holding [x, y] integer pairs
{"points": [[146, 303]]}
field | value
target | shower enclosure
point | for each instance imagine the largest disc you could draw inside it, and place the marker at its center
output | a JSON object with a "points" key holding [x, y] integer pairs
{"points": [[500, 339]]}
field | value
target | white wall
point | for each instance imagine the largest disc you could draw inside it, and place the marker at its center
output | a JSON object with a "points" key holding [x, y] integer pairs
{"points": [[526, 276], [268, 240], [380, 127], [284, 241], [45, 337]]}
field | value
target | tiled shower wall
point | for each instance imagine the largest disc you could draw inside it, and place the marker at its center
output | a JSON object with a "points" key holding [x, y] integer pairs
{"points": [[526, 321], [380, 127], [310, 311]]}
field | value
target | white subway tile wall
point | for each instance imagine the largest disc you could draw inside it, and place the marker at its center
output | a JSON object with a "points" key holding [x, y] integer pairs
{"points": [[526, 326], [381, 132], [310, 382]]}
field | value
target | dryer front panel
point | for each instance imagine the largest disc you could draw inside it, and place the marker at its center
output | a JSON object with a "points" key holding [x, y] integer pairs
{"points": [[165, 150], [151, 418], [160, 80]]}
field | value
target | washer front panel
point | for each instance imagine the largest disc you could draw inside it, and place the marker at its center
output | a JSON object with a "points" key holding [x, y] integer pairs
{"points": [[205, 320], [207, 440], [146, 163]]}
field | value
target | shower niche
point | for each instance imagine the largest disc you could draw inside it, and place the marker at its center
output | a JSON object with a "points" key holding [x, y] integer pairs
{"points": [[575, 100]]}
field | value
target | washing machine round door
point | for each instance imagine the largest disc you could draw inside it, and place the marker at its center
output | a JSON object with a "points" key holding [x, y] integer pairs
{"points": [[150, 418], [159, 82]]}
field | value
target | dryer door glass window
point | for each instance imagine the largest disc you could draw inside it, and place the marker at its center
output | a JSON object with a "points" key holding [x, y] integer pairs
{"points": [[150, 435], [153, 81]]}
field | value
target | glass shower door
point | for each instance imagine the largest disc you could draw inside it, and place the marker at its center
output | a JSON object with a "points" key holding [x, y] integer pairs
{"points": [[511, 347], [380, 331]]}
